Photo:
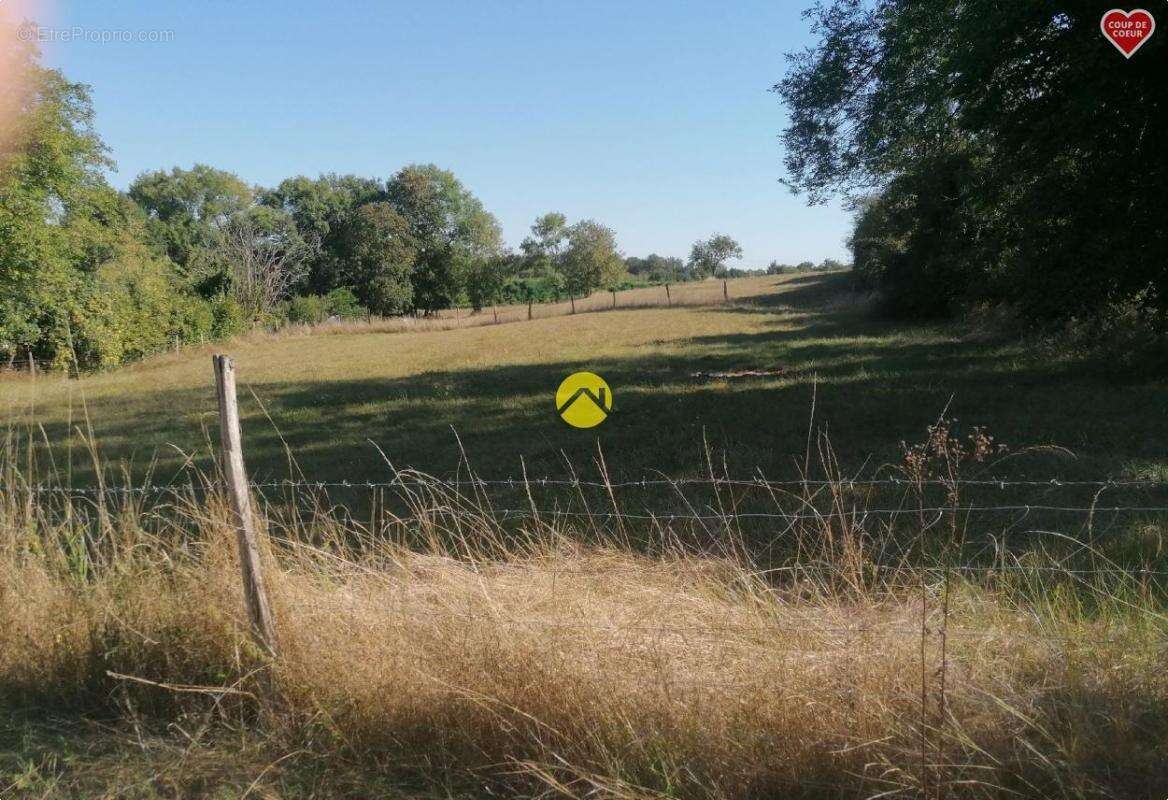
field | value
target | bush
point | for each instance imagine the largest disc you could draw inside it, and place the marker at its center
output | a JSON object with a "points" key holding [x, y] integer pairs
{"points": [[1128, 333], [229, 318], [343, 303], [542, 289], [903, 243], [306, 310], [194, 320], [132, 307], [312, 309]]}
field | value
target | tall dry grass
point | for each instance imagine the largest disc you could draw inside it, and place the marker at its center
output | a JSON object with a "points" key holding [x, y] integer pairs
{"points": [[542, 659]]}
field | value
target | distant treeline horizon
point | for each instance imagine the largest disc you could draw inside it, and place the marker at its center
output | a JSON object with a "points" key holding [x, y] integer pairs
{"points": [[93, 275]]}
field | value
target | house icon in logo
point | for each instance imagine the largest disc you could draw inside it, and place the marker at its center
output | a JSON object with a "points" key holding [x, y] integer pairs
{"points": [[584, 400]]}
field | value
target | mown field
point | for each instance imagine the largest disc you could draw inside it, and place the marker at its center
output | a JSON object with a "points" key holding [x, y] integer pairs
{"points": [[819, 640], [875, 384]]}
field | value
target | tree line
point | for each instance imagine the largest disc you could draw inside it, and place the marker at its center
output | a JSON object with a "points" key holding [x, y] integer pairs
{"points": [[95, 276], [995, 153]]}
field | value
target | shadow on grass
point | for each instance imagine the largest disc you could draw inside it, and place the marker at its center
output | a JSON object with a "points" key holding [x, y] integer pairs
{"points": [[875, 386]]}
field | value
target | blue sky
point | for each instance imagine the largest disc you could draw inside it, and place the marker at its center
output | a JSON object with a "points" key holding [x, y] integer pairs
{"points": [[654, 118]]}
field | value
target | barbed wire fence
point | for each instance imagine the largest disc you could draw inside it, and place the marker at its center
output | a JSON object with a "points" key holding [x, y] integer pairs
{"points": [[666, 501], [720, 503], [771, 505]]}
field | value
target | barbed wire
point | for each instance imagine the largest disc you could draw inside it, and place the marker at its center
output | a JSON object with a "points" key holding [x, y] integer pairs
{"points": [[676, 515], [517, 483]]}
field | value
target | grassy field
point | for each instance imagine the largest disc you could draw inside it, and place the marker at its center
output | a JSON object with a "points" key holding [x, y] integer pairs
{"points": [[447, 651], [875, 384]]}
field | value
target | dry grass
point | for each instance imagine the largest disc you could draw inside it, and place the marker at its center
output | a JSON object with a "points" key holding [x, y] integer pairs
{"points": [[540, 658], [527, 661]]}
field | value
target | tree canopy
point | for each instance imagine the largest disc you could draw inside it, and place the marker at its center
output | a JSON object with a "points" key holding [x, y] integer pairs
{"points": [[376, 254], [709, 257], [996, 151], [69, 243], [591, 259], [185, 207], [452, 231]]}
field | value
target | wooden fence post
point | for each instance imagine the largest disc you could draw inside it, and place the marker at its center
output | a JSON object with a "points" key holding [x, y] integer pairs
{"points": [[725, 292], [668, 297], [573, 299], [529, 308], [255, 595]]}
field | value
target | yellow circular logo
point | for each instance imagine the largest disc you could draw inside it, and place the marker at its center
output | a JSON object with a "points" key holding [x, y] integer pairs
{"points": [[584, 400]]}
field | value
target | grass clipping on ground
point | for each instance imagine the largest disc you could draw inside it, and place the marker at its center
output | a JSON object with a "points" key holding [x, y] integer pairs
{"points": [[526, 661]]}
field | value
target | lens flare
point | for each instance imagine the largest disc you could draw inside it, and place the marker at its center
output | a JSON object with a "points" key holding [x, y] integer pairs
{"points": [[19, 40]]}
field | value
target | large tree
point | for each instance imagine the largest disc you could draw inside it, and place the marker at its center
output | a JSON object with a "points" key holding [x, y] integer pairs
{"points": [[376, 254], [591, 258], [486, 277], [543, 248], [1015, 153], [322, 209], [68, 241], [709, 257], [450, 227], [186, 207]]}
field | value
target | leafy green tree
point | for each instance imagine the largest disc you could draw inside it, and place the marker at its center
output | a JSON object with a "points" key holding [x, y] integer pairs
{"points": [[1018, 157], [186, 207], [133, 306], [543, 248], [486, 277], [709, 257], [74, 276], [320, 208], [451, 230], [377, 255], [590, 259], [50, 190], [658, 269]]}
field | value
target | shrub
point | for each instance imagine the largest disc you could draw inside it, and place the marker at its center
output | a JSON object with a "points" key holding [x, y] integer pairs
{"points": [[343, 303], [1130, 332], [306, 309], [229, 318], [131, 308], [543, 289]]}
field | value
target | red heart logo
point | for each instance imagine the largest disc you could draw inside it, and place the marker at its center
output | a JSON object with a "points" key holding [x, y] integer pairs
{"points": [[1127, 30]]}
